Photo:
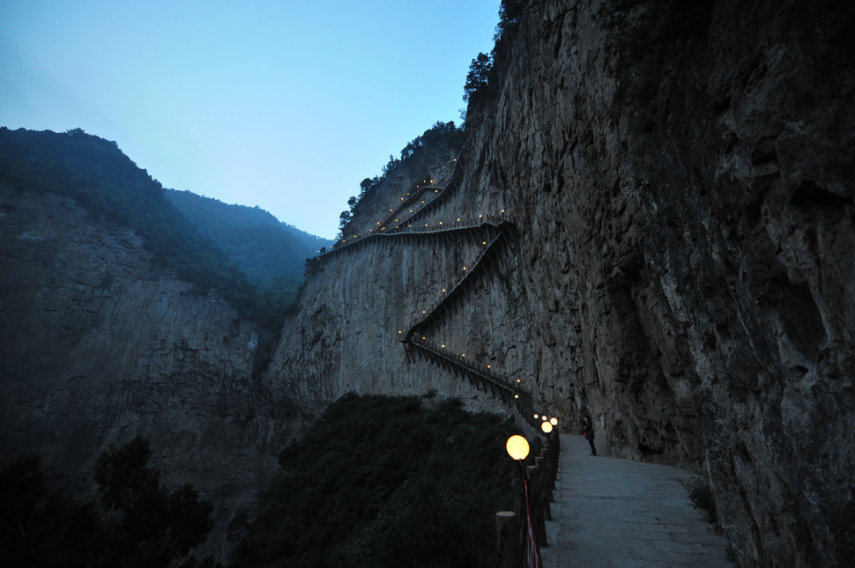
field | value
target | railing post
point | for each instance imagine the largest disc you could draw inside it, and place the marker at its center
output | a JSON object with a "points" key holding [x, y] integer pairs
{"points": [[545, 482], [554, 445], [536, 499], [508, 544], [549, 465]]}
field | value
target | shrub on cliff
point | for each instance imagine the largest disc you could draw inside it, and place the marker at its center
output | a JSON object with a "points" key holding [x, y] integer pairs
{"points": [[383, 481]]}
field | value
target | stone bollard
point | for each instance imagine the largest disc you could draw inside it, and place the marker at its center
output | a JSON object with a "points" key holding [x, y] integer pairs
{"points": [[508, 544]]}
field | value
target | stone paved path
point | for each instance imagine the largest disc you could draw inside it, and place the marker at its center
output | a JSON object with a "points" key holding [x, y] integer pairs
{"points": [[617, 513]]}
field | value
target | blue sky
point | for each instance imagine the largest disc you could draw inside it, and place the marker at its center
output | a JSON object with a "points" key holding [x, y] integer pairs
{"points": [[286, 105]]}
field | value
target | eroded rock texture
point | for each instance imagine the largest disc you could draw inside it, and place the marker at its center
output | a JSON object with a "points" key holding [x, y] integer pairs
{"points": [[680, 179], [97, 346]]}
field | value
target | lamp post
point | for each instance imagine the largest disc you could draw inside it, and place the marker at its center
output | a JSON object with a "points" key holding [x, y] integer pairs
{"points": [[518, 448]]}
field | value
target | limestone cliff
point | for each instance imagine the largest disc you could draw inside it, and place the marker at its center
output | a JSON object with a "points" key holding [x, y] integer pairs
{"points": [[679, 181], [98, 346]]}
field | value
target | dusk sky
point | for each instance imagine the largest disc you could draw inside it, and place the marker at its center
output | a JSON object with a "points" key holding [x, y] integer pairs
{"points": [[286, 105]]}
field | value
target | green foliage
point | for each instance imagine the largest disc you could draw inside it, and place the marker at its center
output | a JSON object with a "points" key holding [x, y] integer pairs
{"points": [[509, 19], [156, 527], [440, 133], [382, 481], [313, 266], [121, 475], [478, 78], [344, 219], [270, 253], [485, 69], [96, 174], [146, 525]]}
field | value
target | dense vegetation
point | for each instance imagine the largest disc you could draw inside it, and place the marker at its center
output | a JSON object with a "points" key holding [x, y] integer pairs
{"points": [[384, 482], [141, 524], [270, 253], [99, 177]]}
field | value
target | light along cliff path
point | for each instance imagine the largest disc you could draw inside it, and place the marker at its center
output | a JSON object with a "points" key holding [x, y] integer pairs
{"points": [[610, 512]]}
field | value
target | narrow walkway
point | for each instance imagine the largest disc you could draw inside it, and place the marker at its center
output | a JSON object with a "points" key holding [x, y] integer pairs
{"points": [[617, 513]]}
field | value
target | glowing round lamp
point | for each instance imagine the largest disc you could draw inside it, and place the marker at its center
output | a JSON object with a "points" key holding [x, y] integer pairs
{"points": [[517, 447], [545, 418], [536, 416], [546, 427], [553, 421]]}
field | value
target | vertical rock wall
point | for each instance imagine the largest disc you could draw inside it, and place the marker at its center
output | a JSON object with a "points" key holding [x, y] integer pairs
{"points": [[685, 171], [354, 314], [679, 176]]}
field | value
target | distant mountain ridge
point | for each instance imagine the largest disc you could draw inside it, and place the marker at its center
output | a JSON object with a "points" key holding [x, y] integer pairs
{"points": [[256, 262], [271, 253]]}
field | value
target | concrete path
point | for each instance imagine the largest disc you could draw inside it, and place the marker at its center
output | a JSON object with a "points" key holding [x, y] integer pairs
{"points": [[617, 513]]}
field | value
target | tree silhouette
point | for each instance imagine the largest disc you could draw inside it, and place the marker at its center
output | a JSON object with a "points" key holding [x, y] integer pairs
{"points": [[478, 77], [145, 525], [155, 527]]}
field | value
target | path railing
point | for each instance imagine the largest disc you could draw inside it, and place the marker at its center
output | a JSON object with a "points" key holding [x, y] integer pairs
{"points": [[495, 233], [478, 376], [443, 228], [511, 533]]}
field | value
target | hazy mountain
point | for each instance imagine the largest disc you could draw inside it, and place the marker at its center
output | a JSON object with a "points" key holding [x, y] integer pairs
{"points": [[271, 253], [246, 254]]}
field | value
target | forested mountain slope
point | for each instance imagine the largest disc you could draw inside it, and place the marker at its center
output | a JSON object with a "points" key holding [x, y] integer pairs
{"points": [[272, 255], [245, 253]]}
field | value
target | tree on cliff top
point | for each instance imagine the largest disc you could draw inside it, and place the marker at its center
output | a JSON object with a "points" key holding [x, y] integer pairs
{"points": [[485, 69], [478, 77]]}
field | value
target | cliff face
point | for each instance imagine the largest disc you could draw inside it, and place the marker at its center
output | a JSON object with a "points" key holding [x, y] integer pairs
{"points": [[374, 287], [701, 200], [679, 178], [98, 346]]}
